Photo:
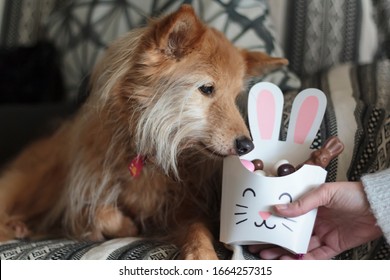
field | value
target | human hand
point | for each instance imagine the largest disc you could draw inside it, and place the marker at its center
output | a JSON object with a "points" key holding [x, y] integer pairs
{"points": [[344, 221]]}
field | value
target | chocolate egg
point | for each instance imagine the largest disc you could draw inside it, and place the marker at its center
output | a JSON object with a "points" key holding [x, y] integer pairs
{"points": [[276, 166], [285, 169], [258, 163], [260, 172]]}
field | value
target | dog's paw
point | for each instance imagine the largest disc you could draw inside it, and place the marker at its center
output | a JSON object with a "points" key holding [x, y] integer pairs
{"points": [[198, 254], [95, 236], [198, 243], [19, 229], [110, 222], [127, 228]]}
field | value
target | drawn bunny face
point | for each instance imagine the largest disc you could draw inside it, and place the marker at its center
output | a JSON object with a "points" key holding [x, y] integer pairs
{"points": [[247, 197], [264, 218]]}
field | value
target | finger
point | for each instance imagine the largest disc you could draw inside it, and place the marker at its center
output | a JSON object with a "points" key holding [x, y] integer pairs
{"points": [[255, 249], [314, 243], [293, 257], [311, 200], [273, 253], [321, 253]]}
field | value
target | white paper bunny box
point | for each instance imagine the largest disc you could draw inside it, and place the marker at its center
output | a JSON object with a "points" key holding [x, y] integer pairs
{"points": [[247, 196]]}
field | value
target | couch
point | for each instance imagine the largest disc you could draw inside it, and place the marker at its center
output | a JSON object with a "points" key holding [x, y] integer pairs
{"points": [[339, 46]]}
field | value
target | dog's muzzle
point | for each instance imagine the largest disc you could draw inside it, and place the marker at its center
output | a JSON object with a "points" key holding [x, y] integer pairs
{"points": [[244, 145]]}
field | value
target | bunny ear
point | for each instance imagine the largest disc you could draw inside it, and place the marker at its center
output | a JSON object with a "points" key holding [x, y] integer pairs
{"points": [[265, 106], [306, 116]]}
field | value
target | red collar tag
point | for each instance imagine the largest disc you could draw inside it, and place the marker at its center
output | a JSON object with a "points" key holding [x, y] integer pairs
{"points": [[136, 165]]}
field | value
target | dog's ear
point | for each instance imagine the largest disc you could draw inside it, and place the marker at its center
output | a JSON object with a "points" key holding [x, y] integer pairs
{"points": [[258, 63], [178, 34]]}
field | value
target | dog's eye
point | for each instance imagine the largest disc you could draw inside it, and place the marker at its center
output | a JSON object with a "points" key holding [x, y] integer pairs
{"points": [[206, 90]]}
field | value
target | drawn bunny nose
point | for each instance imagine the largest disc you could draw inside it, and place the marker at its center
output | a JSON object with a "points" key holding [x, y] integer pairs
{"points": [[243, 145], [264, 215]]}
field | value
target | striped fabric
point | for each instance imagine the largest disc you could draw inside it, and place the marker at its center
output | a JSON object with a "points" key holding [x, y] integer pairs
{"points": [[320, 34], [382, 16], [116, 249], [359, 113]]}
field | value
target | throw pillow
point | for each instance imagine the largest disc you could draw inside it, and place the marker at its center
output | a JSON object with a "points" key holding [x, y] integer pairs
{"points": [[318, 34], [83, 28]]}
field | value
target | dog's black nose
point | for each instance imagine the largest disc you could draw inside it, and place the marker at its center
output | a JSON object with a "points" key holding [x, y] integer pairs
{"points": [[244, 145]]}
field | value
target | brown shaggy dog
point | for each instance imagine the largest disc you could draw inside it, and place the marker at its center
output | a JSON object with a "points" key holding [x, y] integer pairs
{"points": [[162, 105]]}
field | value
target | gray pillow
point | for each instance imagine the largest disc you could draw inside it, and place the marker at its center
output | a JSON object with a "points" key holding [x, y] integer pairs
{"points": [[83, 28]]}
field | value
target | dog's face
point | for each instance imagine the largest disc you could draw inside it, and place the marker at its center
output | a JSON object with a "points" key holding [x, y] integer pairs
{"points": [[185, 82]]}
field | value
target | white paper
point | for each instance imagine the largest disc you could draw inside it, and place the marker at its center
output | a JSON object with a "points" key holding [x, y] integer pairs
{"points": [[247, 197]]}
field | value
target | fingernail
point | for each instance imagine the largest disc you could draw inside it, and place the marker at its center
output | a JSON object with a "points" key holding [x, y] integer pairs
{"points": [[281, 206]]}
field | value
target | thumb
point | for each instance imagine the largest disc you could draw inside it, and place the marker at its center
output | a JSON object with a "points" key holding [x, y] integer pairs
{"points": [[311, 200]]}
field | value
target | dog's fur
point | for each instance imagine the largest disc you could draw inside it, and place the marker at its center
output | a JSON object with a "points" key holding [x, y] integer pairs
{"points": [[167, 92]]}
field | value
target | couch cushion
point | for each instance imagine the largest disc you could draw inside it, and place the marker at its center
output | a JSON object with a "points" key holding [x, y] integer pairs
{"points": [[82, 29], [382, 17], [319, 34]]}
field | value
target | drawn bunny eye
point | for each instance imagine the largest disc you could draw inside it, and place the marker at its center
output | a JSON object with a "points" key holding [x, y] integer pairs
{"points": [[248, 190], [286, 195]]}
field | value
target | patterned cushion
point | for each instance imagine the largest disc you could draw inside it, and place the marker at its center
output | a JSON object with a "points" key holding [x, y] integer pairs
{"points": [[319, 34], [359, 112], [382, 16], [115, 249], [83, 28]]}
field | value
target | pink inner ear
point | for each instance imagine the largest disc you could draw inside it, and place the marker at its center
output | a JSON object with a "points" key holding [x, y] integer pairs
{"points": [[305, 119], [266, 114]]}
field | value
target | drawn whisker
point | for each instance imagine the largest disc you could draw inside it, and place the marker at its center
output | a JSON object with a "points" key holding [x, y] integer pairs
{"points": [[287, 227], [243, 206], [240, 213], [239, 222], [289, 219]]}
